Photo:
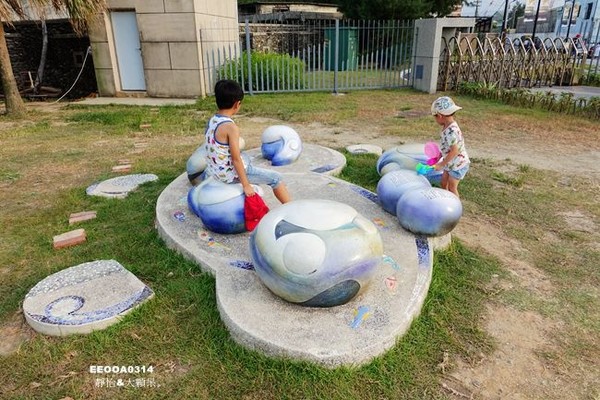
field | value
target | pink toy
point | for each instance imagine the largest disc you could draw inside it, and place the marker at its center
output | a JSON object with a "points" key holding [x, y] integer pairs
{"points": [[432, 151]]}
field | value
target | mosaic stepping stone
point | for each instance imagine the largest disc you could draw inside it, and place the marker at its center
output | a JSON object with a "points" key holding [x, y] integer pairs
{"points": [[84, 298], [120, 186]]}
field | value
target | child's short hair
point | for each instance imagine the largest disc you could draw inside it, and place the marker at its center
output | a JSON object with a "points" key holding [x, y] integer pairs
{"points": [[227, 92]]}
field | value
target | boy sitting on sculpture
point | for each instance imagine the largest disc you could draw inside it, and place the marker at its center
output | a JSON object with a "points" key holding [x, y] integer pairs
{"points": [[222, 144]]}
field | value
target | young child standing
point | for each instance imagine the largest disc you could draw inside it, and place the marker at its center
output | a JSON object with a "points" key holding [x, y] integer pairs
{"points": [[224, 159], [455, 160]]}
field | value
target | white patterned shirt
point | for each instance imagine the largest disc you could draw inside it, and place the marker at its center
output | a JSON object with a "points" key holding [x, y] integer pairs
{"points": [[219, 163], [450, 136]]}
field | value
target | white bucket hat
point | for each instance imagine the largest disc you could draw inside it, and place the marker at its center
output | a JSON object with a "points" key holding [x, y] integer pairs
{"points": [[444, 106]]}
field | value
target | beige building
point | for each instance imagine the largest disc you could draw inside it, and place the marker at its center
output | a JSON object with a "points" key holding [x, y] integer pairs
{"points": [[270, 7], [155, 47]]}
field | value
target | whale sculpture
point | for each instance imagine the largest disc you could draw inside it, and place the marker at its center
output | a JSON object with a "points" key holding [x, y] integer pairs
{"points": [[406, 156], [315, 253], [281, 145], [220, 206]]}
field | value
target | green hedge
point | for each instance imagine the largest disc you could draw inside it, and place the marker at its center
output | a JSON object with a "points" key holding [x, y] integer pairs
{"points": [[270, 71], [591, 80], [520, 97]]}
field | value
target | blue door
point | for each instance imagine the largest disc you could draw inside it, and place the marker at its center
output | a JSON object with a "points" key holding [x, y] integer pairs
{"points": [[129, 51]]}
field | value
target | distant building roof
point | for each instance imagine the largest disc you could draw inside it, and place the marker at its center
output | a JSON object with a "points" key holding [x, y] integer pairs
{"points": [[269, 7]]}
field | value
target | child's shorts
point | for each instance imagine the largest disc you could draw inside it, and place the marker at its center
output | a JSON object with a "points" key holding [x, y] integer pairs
{"points": [[459, 173], [265, 176]]}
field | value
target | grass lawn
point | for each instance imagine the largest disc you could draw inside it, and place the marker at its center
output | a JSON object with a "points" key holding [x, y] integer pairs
{"points": [[50, 157]]}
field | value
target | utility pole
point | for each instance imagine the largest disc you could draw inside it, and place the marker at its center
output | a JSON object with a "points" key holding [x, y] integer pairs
{"points": [[503, 31], [537, 13], [570, 17]]}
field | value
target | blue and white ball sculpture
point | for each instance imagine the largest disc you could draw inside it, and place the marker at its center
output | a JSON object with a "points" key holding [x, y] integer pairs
{"points": [[196, 165], [219, 205], [315, 253], [430, 211], [393, 185], [406, 156], [281, 145]]}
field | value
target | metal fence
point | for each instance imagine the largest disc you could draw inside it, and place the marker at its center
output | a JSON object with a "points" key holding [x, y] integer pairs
{"points": [[282, 55], [509, 64]]}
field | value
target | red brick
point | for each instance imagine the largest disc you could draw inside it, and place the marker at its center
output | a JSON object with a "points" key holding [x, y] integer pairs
{"points": [[81, 216], [70, 238], [122, 168]]}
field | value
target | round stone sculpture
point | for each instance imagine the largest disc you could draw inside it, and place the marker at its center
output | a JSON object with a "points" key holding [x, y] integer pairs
{"points": [[406, 156], [196, 165], [315, 253], [393, 185], [219, 205], [281, 145], [430, 212]]}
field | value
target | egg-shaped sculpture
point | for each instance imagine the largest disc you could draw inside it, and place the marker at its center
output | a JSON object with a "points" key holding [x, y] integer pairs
{"points": [[196, 165], [430, 212], [315, 253], [406, 156], [281, 145], [219, 205], [395, 184]]}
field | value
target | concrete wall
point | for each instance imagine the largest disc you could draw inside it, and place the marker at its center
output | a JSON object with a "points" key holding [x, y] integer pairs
{"points": [[174, 35], [428, 44]]}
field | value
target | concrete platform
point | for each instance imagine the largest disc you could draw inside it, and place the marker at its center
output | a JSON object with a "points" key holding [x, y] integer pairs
{"points": [[350, 334], [83, 298]]}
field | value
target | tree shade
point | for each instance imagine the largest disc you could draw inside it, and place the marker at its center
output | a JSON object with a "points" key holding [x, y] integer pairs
{"points": [[81, 12]]}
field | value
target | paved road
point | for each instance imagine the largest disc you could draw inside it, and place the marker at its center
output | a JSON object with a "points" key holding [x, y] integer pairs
{"points": [[137, 101], [577, 91]]}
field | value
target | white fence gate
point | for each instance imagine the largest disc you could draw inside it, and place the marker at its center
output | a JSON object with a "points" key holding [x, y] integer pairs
{"points": [[316, 55]]}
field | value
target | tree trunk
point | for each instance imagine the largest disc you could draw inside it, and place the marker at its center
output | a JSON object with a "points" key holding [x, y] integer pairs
{"points": [[40, 72], [12, 97]]}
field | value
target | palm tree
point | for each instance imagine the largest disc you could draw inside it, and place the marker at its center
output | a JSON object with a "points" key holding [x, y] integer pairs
{"points": [[81, 12]]}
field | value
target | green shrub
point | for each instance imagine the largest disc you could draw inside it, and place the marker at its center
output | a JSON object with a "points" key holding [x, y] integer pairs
{"points": [[520, 97], [591, 80], [270, 71]]}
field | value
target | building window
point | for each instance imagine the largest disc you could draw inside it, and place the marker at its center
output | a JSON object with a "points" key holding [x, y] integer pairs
{"points": [[567, 11], [281, 8], [588, 11]]}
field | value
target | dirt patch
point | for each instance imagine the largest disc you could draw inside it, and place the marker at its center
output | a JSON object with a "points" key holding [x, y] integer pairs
{"points": [[13, 334], [577, 221], [513, 371], [482, 234]]}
